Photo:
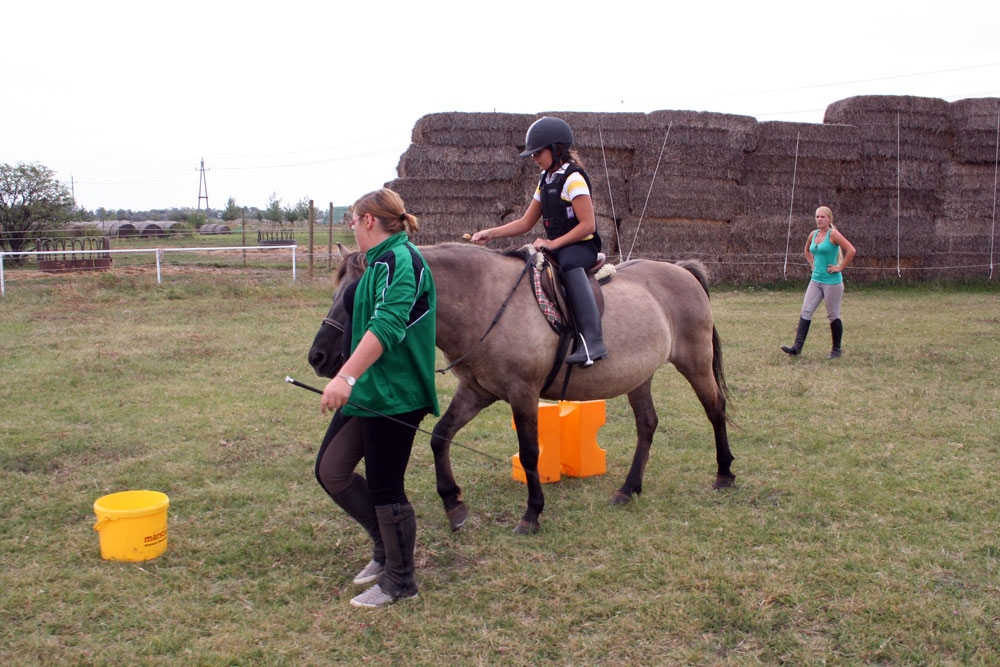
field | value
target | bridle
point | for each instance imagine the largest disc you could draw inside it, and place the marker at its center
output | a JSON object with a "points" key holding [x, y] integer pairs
{"points": [[330, 322]]}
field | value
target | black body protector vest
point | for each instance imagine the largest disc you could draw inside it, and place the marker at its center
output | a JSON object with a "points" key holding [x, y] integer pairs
{"points": [[558, 214]]}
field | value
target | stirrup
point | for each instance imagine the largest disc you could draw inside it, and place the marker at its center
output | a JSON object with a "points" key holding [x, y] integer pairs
{"points": [[587, 359]]}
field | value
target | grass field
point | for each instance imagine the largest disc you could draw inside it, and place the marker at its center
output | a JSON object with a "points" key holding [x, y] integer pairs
{"points": [[864, 527]]}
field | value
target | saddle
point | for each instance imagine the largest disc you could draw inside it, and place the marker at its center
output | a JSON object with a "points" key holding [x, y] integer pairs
{"points": [[549, 291]]}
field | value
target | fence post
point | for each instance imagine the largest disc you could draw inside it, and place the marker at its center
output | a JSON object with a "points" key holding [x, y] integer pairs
{"points": [[243, 226], [312, 227], [329, 239]]}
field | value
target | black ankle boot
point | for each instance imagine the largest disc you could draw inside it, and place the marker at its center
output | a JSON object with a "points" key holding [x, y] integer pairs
{"points": [[800, 338]]}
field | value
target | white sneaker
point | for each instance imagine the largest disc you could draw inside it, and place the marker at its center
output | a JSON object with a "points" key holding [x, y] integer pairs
{"points": [[370, 573], [375, 597]]}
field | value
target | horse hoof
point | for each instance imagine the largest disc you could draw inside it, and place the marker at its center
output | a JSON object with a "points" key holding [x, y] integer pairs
{"points": [[724, 481], [620, 499], [457, 516], [525, 527]]}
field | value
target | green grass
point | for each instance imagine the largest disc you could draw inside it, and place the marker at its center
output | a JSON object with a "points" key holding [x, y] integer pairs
{"points": [[863, 528]]}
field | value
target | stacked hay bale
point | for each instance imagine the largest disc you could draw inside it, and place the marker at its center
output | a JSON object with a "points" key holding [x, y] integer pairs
{"points": [[909, 180], [461, 173], [685, 187], [896, 199], [792, 169], [966, 227]]}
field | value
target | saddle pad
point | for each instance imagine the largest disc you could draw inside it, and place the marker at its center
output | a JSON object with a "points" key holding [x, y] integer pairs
{"points": [[548, 307]]}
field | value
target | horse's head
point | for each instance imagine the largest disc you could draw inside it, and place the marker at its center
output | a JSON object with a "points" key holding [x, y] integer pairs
{"points": [[332, 344]]}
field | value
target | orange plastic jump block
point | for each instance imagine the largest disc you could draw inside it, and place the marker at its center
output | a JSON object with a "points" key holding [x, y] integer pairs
{"points": [[567, 441]]}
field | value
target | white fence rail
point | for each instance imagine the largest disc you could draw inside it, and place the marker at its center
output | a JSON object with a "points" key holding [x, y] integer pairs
{"points": [[159, 252]]}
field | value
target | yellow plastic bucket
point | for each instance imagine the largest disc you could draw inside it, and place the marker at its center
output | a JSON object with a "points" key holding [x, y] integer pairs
{"points": [[132, 525]]}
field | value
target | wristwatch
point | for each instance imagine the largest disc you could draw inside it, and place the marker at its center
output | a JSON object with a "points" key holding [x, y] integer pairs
{"points": [[348, 378]]}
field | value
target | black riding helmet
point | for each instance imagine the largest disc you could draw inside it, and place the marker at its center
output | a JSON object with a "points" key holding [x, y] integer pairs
{"points": [[545, 132]]}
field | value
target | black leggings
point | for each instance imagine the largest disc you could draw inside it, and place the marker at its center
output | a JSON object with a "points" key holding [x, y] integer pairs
{"points": [[582, 254], [384, 443]]}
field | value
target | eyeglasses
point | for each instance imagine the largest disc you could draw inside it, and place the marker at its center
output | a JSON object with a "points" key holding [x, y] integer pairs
{"points": [[354, 223]]}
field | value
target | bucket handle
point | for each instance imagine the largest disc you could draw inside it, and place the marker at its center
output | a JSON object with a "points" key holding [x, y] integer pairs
{"points": [[102, 521]]}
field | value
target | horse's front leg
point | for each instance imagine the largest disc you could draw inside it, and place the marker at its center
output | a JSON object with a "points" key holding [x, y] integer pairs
{"points": [[526, 422], [467, 403], [641, 400]]}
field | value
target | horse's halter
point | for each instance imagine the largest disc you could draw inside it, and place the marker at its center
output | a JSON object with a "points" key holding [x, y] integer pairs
{"points": [[330, 322]]}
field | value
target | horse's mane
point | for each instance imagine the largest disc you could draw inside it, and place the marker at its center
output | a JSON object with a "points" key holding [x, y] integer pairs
{"points": [[522, 252], [354, 260]]}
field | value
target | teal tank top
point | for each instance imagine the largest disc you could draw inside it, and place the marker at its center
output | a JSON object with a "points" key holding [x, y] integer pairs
{"points": [[824, 253]]}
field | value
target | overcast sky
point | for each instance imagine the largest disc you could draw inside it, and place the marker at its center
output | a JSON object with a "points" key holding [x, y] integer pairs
{"points": [[317, 100]]}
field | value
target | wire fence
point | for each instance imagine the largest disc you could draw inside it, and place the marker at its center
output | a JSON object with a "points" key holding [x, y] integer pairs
{"points": [[273, 257]]}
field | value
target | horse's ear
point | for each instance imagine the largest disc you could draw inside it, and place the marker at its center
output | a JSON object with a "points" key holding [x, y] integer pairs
{"points": [[342, 250]]}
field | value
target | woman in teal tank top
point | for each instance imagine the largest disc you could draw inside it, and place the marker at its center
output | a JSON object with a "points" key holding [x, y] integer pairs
{"points": [[828, 252]]}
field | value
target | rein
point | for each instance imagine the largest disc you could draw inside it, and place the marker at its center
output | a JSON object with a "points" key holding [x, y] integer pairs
{"points": [[496, 318], [303, 385]]}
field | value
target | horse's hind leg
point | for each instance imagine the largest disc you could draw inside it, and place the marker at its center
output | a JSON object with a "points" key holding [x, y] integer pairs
{"points": [[708, 388], [466, 404], [641, 400]]}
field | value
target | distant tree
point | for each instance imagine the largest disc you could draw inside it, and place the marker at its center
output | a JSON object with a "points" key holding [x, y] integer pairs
{"points": [[298, 212], [302, 209], [83, 215], [232, 212], [31, 201], [273, 211], [195, 219]]}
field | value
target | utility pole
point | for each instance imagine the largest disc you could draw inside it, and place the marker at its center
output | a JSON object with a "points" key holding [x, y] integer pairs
{"points": [[203, 184]]}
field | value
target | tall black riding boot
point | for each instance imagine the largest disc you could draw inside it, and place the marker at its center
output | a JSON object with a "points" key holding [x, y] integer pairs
{"points": [[398, 523], [357, 502], [837, 332], [800, 338], [588, 319]]}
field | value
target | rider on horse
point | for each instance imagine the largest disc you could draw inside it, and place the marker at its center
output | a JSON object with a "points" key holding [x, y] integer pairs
{"points": [[563, 201]]}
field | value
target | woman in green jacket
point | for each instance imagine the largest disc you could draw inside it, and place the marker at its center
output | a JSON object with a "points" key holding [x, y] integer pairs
{"points": [[381, 394]]}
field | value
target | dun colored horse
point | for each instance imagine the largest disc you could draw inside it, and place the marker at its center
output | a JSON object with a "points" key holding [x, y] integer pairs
{"points": [[655, 313]]}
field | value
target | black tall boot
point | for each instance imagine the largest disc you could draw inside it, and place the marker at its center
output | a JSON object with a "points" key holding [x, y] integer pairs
{"points": [[588, 319], [800, 338], [398, 523], [357, 502], [837, 333]]}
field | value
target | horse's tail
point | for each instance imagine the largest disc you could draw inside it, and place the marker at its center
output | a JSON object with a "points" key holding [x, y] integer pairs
{"points": [[697, 269], [700, 272], [720, 377]]}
